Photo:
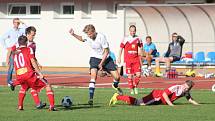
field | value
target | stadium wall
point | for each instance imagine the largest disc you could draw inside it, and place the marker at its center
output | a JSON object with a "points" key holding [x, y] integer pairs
{"points": [[56, 47]]}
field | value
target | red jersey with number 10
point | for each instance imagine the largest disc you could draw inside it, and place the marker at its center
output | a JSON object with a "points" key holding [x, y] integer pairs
{"points": [[130, 45], [22, 63]]}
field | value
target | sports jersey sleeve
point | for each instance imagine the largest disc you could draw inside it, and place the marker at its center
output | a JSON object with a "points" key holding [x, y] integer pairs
{"points": [[13, 48], [122, 44], [153, 46], [84, 37], [140, 44], [168, 91], [30, 53], [104, 42]]}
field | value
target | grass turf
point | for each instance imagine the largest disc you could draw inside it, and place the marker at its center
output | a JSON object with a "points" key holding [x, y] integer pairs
{"points": [[183, 111]]}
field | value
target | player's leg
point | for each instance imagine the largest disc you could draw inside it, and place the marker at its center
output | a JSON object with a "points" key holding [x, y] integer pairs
{"points": [[130, 74], [149, 60], [157, 64], [50, 95], [130, 83], [136, 81], [94, 62], [35, 96], [152, 98], [112, 69], [38, 84], [168, 62], [137, 71], [21, 97], [10, 71], [92, 82], [125, 98]]}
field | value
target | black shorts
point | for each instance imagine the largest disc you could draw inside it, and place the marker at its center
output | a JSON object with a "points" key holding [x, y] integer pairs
{"points": [[175, 58], [107, 66]]}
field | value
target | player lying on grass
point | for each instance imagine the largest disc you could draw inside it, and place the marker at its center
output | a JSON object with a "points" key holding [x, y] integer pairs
{"points": [[166, 96], [28, 74], [99, 58]]}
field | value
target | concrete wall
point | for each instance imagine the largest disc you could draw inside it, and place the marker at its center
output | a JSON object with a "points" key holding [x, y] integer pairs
{"points": [[55, 46]]}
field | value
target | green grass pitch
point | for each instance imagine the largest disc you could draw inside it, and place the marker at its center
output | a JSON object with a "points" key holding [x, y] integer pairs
{"points": [[183, 111]]}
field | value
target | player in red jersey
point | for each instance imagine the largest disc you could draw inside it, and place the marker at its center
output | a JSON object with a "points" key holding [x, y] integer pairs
{"points": [[166, 96], [131, 45], [30, 34], [28, 73]]}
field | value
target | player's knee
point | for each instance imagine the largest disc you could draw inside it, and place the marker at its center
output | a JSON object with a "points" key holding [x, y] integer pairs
{"points": [[23, 91], [138, 75], [157, 60], [92, 83], [48, 87], [117, 78]]}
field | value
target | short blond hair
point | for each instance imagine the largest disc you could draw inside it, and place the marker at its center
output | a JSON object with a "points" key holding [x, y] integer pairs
{"points": [[88, 28]]}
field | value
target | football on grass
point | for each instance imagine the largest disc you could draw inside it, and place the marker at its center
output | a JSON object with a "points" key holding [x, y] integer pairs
{"points": [[66, 102], [213, 88]]}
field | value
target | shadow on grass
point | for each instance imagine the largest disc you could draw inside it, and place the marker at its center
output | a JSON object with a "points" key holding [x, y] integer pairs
{"points": [[76, 107], [204, 103]]}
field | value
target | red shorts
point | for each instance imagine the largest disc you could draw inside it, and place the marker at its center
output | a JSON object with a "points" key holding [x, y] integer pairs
{"points": [[33, 82], [155, 97], [133, 67]]}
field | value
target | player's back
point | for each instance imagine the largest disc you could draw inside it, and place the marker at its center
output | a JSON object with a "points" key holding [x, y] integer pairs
{"points": [[22, 62]]}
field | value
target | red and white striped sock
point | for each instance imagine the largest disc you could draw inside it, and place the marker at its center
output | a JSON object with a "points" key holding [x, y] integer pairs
{"points": [[21, 97], [50, 95], [130, 83], [136, 81], [35, 96]]}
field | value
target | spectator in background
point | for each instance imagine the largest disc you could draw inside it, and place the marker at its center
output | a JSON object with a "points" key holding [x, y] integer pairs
{"points": [[149, 51], [173, 53], [8, 40]]}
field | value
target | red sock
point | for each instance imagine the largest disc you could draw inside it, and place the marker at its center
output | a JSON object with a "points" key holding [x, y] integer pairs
{"points": [[130, 83], [127, 99], [35, 96], [50, 96], [21, 97], [136, 81]]}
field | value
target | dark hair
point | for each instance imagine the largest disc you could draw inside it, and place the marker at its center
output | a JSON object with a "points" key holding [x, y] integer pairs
{"points": [[190, 83], [174, 33], [22, 40], [29, 29], [132, 26], [88, 28], [149, 37]]}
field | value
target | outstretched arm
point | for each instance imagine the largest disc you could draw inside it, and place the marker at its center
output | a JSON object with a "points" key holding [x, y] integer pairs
{"points": [[71, 31], [193, 102], [166, 98], [36, 67]]}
